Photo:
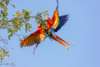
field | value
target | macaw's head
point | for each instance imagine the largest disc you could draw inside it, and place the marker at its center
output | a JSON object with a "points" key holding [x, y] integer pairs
{"points": [[47, 19]]}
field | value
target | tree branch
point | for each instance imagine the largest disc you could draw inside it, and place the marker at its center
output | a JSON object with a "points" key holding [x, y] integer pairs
{"points": [[4, 40], [12, 64]]}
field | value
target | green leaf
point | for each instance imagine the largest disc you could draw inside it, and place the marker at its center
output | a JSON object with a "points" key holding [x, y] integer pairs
{"points": [[46, 11], [13, 5], [48, 14]]}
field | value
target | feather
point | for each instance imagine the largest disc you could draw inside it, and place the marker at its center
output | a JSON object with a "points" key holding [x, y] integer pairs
{"points": [[62, 20], [60, 42], [33, 38]]}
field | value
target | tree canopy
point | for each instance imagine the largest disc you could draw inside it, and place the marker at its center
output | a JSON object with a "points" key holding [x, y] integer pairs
{"points": [[13, 25]]}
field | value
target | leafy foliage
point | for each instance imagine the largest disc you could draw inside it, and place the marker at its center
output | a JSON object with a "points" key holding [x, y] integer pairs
{"points": [[20, 19], [39, 18], [3, 53]]}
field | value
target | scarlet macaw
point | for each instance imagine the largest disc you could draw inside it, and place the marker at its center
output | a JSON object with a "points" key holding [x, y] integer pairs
{"points": [[39, 35], [34, 38], [56, 23]]}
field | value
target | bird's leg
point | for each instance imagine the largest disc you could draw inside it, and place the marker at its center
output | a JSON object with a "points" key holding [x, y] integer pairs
{"points": [[35, 48]]}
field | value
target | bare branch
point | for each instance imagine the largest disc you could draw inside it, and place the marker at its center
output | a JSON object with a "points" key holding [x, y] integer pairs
{"points": [[4, 40], [12, 64]]}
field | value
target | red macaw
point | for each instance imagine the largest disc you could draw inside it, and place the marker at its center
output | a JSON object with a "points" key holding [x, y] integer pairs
{"points": [[39, 35], [56, 23], [34, 38]]}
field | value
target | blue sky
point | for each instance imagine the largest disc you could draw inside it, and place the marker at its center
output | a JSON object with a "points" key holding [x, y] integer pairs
{"points": [[82, 30]]}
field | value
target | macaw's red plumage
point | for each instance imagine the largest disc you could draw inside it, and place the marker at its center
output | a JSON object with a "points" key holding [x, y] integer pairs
{"points": [[56, 22], [34, 38], [38, 36]]}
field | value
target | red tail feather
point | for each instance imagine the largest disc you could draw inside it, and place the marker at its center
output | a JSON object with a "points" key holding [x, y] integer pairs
{"points": [[60, 43], [64, 40]]}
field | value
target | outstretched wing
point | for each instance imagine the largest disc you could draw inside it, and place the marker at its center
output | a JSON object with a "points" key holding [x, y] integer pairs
{"points": [[33, 38], [62, 20], [58, 21], [55, 19]]}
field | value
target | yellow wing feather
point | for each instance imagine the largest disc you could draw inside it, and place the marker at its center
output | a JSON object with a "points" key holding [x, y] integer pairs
{"points": [[34, 39], [55, 18]]}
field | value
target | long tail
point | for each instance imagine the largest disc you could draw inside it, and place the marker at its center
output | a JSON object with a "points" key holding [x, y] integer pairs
{"points": [[60, 43], [63, 40]]}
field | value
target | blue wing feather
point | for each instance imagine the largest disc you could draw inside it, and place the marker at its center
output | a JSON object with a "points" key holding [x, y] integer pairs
{"points": [[62, 20]]}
